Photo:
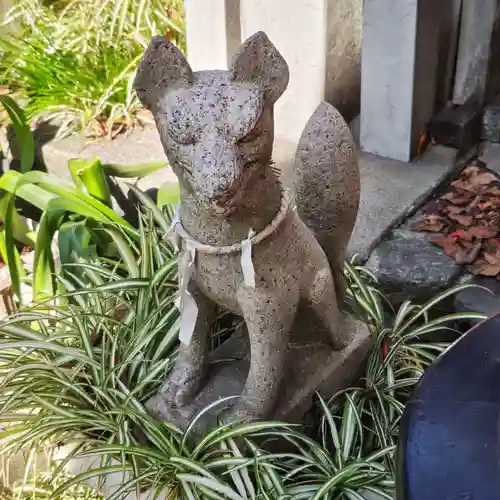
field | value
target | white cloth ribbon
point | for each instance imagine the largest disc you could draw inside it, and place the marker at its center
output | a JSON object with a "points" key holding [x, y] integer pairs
{"points": [[185, 302], [246, 261]]}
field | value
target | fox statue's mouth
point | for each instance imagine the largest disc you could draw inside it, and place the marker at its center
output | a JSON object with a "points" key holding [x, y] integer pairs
{"points": [[228, 202]]}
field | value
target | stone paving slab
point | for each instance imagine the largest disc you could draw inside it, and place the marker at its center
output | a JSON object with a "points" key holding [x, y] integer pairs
{"points": [[141, 146], [391, 189], [407, 266]]}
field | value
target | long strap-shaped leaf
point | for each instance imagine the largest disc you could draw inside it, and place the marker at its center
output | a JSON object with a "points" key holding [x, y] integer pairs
{"points": [[23, 133], [44, 279], [96, 209], [11, 257]]}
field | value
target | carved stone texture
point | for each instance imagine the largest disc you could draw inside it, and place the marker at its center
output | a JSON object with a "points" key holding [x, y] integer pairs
{"points": [[216, 128]]}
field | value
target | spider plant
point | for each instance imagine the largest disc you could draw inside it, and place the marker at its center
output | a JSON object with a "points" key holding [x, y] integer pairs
{"points": [[74, 61], [72, 211], [93, 362], [83, 374], [403, 349]]}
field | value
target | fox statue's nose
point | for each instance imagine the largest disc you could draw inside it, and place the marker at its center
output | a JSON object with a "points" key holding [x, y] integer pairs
{"points": [[221, 171]]}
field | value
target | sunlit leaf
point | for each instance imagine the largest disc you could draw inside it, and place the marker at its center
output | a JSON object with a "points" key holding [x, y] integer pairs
{"points": [[22, 130]]}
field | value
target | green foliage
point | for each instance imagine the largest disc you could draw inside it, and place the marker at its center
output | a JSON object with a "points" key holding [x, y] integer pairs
{"points": [[57, 200], [14, 228], [75, 60], [81, 374], [405, 345], [22, 130], [71, 210]]}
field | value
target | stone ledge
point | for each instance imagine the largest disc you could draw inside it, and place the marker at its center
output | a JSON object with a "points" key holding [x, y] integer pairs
{"points": [[392, 190], [406, 264], [408, 267]]}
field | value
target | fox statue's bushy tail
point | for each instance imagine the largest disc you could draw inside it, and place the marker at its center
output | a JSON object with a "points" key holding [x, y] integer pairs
{"points": [[327, 184]]}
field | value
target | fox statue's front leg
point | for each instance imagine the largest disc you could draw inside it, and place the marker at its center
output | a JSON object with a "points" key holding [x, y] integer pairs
{"points": [[269, 313], [184, 382]]}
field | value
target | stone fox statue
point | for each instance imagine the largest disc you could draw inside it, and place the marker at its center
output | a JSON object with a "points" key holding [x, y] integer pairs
{"points": [[244, 248]]}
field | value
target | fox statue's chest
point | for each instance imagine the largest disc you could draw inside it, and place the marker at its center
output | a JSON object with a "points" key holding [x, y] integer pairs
{"points": [[219, 277]]}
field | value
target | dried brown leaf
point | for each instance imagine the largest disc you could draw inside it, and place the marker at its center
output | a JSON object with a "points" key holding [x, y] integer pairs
{"points": [[470, 171], [454, 209], [494, 243], [467, 254], [485, 205], [447, 243], [456, 198], [483, 179], [430, 223], [492, 192], [482, 268], [434, 207], [464, 220], [479, 232], [493, 259]]}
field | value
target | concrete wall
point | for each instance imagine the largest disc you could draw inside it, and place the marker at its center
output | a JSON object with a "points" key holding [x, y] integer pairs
{"points": [[297, 28], [343, 63], [398, 88], [425, 81], [449, 26], [213, 32], [493, 81], [321, 41]]}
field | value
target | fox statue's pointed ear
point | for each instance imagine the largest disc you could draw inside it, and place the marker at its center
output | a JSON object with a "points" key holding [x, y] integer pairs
{"points": [[258, 61], [161, 66]]}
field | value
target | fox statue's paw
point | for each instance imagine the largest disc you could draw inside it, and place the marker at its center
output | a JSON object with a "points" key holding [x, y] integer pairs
{"points": [[243, 411], [182, 385]]}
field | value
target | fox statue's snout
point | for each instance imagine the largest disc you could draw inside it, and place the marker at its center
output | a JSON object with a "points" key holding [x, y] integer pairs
{"points": [[220, 166]]}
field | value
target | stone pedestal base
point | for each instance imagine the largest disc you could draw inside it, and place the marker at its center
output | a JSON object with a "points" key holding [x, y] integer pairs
{"points": [[312, 367]]}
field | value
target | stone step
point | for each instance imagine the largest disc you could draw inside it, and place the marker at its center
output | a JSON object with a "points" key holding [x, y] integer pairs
{"points": [[390, 190]]}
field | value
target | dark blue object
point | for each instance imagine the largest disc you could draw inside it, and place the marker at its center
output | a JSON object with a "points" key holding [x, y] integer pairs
{"points": [[450, 432]]}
